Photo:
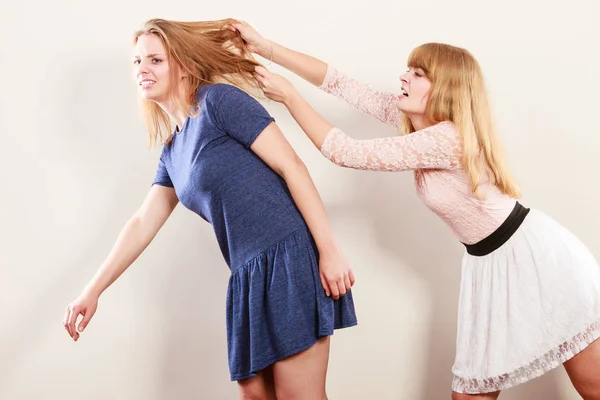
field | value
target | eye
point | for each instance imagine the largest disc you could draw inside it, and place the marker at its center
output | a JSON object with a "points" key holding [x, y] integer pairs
{"points": [[135, 62], [419, 73], [156, 60]]}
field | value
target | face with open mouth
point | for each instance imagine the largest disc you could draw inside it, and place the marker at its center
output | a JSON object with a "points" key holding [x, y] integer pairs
{"points": [[415, 92]]}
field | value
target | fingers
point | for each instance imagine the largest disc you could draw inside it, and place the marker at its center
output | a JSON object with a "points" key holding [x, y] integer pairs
{"points": [[260, 79], [325, 285], [265, 78], [71, 322], [236, 26], [66, 319], [335, 290], [261, 71], [87, 316], [341, 289], [263, 83], [347, 282], [71, 319], [340, 285]]}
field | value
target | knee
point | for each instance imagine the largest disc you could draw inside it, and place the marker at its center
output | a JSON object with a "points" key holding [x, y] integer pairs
{"points": [[249, 394], [287, 393], [255, 391]]}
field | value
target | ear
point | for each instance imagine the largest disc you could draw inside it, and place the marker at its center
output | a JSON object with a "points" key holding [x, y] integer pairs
{"points": [[180, 71], [182, 74]]}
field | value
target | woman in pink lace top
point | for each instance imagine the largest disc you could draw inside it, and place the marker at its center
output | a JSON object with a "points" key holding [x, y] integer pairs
{"points": [[530, 290]]}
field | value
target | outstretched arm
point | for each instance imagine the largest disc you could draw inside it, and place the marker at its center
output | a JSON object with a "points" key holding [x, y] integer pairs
{"points": [[435, 147], [307, 67], [135, 236], [378, 104]]}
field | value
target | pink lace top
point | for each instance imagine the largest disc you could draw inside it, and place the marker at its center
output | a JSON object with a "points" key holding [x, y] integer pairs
{"points": [[433, 153]]}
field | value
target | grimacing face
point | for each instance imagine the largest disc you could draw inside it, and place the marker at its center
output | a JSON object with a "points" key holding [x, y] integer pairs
{"points": [[415, 92], [151, 68]]}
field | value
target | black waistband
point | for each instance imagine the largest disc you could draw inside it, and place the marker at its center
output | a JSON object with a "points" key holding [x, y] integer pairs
{"points": [[500, 235]]}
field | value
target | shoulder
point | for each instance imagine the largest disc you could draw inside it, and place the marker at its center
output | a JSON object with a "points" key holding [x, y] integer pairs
{"points": [[165, 151], [217, 93], [224, 102], [444, 128]]}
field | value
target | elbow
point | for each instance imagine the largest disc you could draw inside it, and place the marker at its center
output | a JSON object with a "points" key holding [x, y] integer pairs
{"points": [[337, 161], [333, 159], [293, 168]]}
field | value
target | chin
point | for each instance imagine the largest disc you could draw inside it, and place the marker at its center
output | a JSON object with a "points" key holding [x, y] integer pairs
{"points": [[148, 95], [406, 110]]}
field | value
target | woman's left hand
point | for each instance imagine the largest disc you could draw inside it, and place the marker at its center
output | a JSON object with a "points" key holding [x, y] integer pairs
{"points": [[276, 87]]}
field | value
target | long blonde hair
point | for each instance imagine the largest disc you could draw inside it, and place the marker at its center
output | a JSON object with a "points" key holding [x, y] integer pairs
{"points": [[209, 53], [458, 94]]}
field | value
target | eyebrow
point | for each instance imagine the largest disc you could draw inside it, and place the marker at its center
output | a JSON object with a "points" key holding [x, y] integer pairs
{"points": [[151, 55]]}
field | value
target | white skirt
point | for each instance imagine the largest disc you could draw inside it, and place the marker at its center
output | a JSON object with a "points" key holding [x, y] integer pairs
{"points": [[526, 308]]}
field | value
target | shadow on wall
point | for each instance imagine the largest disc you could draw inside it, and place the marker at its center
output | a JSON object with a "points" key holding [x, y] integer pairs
{"points": [[420, 241]]}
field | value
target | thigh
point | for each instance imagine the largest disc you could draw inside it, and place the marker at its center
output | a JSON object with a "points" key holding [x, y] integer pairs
{"points": [[303, 375], [584, 371], [259, 387], [482, 396]]}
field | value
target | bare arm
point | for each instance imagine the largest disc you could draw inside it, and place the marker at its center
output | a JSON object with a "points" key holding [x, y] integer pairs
{"points": [[381, 105], [135, 236], [271, 146], [133, 239], [307, 67]]}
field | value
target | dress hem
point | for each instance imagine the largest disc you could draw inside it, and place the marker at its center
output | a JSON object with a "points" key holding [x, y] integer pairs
{"points": [[552, 359], [312, 342]]}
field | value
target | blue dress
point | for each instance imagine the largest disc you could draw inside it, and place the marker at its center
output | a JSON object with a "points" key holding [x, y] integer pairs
{"points": [[275, 303]]}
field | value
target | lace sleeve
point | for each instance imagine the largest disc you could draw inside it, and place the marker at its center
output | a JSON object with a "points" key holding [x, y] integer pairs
{"points": [[380, 105], [436, 147]]}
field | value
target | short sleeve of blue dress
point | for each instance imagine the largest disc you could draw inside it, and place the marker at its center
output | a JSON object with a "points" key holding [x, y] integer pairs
{"points": [[239, 114], [162, 175], [275, 304]]}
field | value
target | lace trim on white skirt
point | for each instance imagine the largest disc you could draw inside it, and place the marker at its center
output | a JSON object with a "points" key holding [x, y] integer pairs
{"points": [[536, 368]]}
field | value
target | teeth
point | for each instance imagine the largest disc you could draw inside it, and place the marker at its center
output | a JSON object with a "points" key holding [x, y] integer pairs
{"points": [[147, 83], [404, 93]]}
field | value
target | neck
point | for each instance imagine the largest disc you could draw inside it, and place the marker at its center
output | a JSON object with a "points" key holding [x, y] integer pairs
{"points": [[420, 122], [173, 109], [176, 114]]}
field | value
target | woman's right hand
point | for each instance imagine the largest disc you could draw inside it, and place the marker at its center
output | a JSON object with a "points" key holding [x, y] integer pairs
{"points": [[86, 305], [256, 43]]}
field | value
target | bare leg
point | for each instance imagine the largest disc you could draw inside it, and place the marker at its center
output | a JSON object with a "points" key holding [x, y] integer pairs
{"points": [[259, 387], [303, 375], [584, 371]]}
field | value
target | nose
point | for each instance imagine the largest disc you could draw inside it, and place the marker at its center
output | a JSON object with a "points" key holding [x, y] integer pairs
{"points": [[142, 68], [404, 77]]}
